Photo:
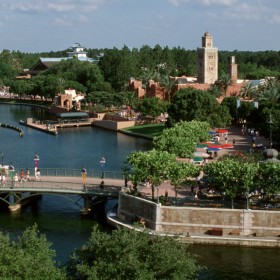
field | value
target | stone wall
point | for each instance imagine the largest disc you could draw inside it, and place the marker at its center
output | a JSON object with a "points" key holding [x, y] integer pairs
{"points": [[192, 220]]}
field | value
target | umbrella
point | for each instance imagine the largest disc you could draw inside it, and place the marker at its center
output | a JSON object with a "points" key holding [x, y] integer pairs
{"points": [[202, 145], [215, 146], [200, 154], [222, 131], [227, 146], [214, 149], [211, 132], [201, 150], [197, 159]]}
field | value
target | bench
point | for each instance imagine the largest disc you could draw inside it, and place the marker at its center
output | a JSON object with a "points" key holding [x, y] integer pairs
{"points": [[216, 231]]}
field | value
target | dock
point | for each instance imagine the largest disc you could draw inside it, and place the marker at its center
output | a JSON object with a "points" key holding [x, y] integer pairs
{"points": [[52, 127]]}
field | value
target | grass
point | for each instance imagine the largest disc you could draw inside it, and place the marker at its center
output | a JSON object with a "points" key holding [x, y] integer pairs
{"points": [[152, 130]]}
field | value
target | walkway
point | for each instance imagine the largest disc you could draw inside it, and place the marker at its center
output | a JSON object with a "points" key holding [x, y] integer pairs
{"points": [[243, 143]]}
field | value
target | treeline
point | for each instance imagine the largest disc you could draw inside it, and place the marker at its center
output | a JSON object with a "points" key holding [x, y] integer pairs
{"points": [[118, 65]]}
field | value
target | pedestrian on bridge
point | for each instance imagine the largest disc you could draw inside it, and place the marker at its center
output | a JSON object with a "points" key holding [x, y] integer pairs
{"points": [[84, 175]]}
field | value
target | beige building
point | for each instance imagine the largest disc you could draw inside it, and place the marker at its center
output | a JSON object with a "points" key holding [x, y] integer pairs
{"points": [[207, 72]]}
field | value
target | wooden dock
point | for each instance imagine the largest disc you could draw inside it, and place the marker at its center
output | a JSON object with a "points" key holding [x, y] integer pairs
{"points": [[53, 128]]}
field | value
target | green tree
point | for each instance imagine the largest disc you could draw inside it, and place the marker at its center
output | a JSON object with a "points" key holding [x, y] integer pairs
{"points": [[248, 91], [224, 82], [30, 257], [192, 104], [151, 165], [152, 106], [232, 176], [128, 254], [182, 139], [179, 173], [269, 177]]}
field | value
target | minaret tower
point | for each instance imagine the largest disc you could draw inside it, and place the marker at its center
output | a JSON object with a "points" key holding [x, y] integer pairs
{"points": [[207, 61], [232, 69]]}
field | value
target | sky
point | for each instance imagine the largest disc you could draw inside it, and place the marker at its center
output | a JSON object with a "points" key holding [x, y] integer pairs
{"points": [[42, 26]]}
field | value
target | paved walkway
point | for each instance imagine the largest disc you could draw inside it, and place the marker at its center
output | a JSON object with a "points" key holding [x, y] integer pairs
{"points": [[242, 143]]}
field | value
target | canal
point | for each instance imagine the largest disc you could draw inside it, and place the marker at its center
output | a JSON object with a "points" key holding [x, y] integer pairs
{"points": [[60, 220]]}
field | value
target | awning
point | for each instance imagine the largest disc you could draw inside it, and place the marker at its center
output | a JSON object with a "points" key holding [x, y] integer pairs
{"points": [[73, 115]]}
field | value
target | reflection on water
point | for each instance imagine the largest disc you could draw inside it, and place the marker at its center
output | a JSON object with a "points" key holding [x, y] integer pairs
{"points": [[233, 263]]}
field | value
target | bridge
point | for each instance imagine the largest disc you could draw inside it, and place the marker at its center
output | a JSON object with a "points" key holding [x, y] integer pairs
{"points": [[16, 194]]}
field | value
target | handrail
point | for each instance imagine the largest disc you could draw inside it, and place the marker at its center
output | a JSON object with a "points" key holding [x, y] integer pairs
{"points": [[63, 172]]}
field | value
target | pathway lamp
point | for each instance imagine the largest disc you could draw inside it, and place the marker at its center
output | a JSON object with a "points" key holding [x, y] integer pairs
{"points": [[270, 122], [157, 195], [2, 158], [247, 199]]}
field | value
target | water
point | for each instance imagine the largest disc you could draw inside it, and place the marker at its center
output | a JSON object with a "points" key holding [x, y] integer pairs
{"points": [[60, 219]]}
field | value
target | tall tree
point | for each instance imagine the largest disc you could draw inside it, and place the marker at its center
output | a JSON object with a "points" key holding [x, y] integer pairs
{"points": [[182, 139], [192, 104], [29, 257], [150, 166], [128, 254]]}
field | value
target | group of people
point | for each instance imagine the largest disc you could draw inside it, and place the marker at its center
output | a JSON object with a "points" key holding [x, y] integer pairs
{"points": [[22, 176], [16, 178]]}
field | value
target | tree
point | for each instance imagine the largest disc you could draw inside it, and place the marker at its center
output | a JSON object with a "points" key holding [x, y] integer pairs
{"points": [[231, 176], [269, 177], [30, 257], [179, 172], [150, 166], [182, 139], [152, 106], [248, 90], [224, 82], [192, 104], [128, 254]]}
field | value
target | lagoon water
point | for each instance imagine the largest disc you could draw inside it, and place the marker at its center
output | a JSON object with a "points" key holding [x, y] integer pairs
{"points": [[59, 219]]}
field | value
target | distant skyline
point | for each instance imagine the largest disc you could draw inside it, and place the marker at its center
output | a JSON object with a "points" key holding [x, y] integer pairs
{"points": [[55, 25]]}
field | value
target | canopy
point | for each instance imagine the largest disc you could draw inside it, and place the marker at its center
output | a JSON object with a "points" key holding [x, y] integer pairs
{"points": [[200, 154], [214, 146], [202, 145], [222, 131], [211, 132], [197, 159], [214, 149], [73, 115], [227, 146]]}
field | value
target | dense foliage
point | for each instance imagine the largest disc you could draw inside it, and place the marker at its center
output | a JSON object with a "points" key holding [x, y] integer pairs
{"points": [[182, 139], [128, 254], [29, 257], [192, 104]]}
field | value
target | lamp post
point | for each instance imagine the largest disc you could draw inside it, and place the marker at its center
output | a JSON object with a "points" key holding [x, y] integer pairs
{"points": [[157, 196], [270, 122]]}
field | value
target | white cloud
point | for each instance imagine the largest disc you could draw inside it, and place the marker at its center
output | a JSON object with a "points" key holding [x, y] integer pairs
{"points": [[59, 6], [204, 2], [61, 22]]}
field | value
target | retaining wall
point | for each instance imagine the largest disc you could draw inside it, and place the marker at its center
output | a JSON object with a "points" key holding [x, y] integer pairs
{"points": [[192, 220]]}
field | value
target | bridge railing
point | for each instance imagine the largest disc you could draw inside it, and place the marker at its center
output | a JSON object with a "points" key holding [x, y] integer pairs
{"points": [[62, 172]]}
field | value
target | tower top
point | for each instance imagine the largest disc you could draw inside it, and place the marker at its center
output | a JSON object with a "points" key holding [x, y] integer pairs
{"points": [[207, 40]]}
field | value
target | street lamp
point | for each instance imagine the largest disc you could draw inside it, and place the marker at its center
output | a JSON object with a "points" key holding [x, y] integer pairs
{"points": [[157, 196], [270, 131], [2, 158]]}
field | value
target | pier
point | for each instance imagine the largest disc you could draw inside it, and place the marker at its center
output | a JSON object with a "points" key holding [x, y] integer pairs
{"points": [[52, 127]]}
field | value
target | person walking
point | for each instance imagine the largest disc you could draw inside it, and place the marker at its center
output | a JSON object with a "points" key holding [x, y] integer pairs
{"points": [[22, 178], [3, 180], [27, 175], [16, 180], [84, 176], [38, 175]]}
